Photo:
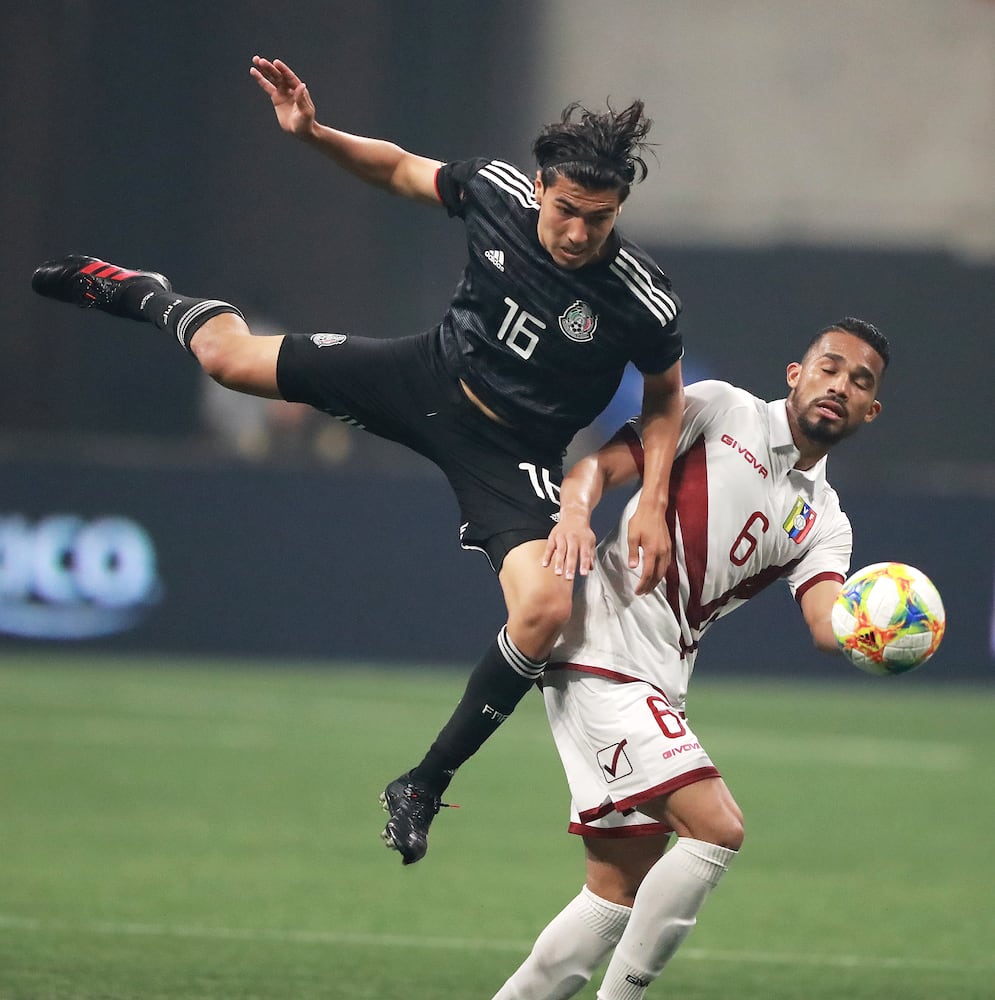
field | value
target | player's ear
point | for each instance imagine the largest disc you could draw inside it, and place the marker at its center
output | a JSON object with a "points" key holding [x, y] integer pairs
{"points": [[872, 413], [539, 187], [792, 372]]}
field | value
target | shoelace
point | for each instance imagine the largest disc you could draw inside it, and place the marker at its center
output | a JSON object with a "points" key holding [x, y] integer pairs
{"points": [[431, 802]]}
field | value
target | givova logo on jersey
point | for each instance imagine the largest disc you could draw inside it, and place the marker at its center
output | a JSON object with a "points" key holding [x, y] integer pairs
{"points": [[579, 322], [66, 577]]}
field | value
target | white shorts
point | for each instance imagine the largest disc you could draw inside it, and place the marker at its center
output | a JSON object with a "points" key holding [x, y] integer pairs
{"points": [[621, 744]]}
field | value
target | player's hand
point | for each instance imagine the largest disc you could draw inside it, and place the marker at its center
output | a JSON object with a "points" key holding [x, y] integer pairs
{"points": [[570, 547], [649, 538], [291, 100]]}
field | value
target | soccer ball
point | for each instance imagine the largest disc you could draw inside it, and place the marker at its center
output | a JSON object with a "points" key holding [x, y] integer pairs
{"points": [[888, 618]]}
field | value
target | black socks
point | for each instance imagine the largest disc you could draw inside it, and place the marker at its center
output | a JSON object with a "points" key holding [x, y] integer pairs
{"points": [[180, 315], [498, 683]]}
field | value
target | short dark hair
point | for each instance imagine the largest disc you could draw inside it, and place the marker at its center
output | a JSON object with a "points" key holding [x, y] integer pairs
{"points": [[599, 150], [867, 332]]}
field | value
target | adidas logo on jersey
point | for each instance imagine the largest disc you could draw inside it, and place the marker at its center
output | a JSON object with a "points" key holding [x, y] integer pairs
{"points": [[496, 257]]}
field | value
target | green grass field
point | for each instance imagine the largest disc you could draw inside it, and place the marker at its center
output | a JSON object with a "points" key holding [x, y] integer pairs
{"points": [[174, 829]]}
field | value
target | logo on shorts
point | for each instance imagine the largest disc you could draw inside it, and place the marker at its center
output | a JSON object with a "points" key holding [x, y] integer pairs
{"points": [[579, 322], [327, 339], [614, 762]]}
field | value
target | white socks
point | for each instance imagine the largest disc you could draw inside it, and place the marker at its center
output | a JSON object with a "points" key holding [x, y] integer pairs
{"points": [[663, 914], [568, 951], [645, 938]]}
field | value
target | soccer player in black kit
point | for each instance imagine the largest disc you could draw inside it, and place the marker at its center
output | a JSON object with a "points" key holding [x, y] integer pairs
{"points": [[552, 305]]}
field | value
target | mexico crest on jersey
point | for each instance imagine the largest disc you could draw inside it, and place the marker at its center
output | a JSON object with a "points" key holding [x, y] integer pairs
{"points": [[799, 522], [579, 322]]}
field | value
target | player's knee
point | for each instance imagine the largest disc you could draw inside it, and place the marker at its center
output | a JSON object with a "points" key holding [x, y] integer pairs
{"points": [[555, 612], [217, 347], [725, 829], [546, 613], [719, 822], [732, 833]]}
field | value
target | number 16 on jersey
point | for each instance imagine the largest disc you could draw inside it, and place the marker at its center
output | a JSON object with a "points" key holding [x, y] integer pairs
{"points": [[519, 329]]}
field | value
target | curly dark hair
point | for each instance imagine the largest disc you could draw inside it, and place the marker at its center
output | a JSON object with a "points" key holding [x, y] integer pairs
{"points": [[599, 151], [867, 332]]}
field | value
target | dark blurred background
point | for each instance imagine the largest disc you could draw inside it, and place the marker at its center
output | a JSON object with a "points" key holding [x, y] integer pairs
{"points": [[809, 168]]}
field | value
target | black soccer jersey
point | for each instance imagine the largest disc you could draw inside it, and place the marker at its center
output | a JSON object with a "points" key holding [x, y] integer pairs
{"points": [[542, 346]]}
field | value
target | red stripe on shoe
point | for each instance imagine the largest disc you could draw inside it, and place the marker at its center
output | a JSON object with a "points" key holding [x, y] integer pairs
{"points": [[116, 273], [101, 269]]}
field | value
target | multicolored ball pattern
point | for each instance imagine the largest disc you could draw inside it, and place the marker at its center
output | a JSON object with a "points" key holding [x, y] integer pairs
{"points": [[888, 618]]}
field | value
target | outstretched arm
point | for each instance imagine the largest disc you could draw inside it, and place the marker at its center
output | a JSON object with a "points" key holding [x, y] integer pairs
{"points": [[649, 537], [376, 161], [817, 607], [571, 542]]}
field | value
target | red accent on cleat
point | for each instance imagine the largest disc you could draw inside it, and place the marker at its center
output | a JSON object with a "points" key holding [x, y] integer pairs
{"points": [[100, 269], [92, 283]]}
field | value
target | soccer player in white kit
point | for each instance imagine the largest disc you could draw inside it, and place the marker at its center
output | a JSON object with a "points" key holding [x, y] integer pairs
{"points": [[748, 503]]}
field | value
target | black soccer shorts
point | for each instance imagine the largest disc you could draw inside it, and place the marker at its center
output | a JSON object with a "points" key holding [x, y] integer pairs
{"points": [[508, 490]]}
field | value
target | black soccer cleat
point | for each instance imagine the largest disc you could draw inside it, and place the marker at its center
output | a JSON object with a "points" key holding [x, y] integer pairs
{"points": [[412, 807], [93, 284]]}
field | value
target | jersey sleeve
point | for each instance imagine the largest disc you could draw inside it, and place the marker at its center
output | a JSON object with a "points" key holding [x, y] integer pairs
{"points": [[704, 402], [827, 558], [665, 352], [452, 183], [707, 404], [661, 344]]}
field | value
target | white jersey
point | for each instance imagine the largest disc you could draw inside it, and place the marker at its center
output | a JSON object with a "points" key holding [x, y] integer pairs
{"points": [[740, 516]]}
